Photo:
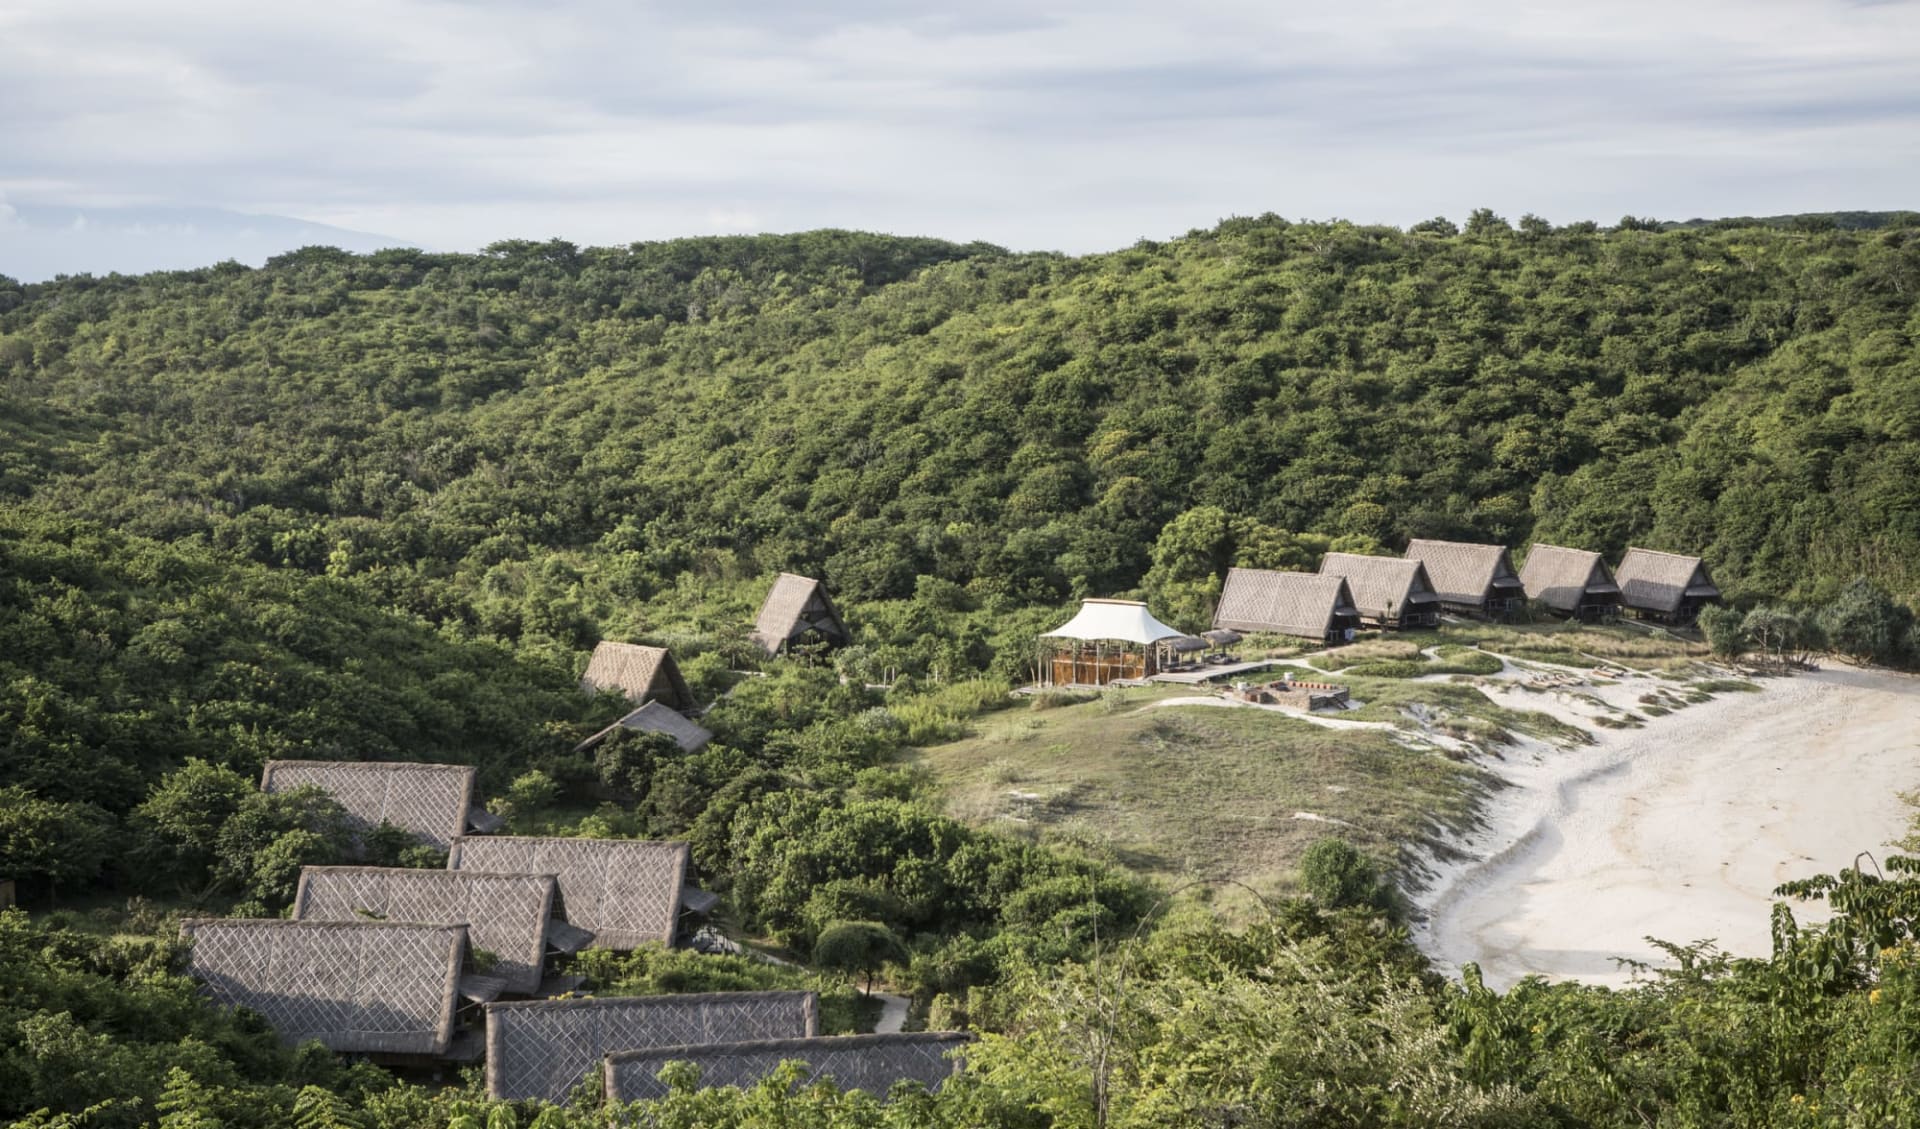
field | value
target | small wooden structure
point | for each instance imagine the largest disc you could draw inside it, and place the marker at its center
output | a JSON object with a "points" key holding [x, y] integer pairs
{"points": [[1107, 641], [542, 1049], [505, 914], [626, 891], [1389, 591], [1573, 582], [654, 718], [1471, 578], [643, 674], [797, 610], [366, 987], [6, 893], [432, 801], [1667, 587], [1301, 604], [873, 1063]]}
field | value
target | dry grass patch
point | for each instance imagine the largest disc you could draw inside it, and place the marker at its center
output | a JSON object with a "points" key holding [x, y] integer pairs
{"points": [[1200, 791], [1581, 645]]}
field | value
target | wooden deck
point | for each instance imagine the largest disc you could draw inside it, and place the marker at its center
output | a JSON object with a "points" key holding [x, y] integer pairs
{"points": [[1212, 671]]}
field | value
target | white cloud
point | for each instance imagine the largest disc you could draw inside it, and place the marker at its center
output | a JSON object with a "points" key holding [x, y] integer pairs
{"points": [[1079, 126]]}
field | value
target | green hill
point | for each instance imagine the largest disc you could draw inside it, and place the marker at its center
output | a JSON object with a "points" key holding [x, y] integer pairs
{"points": [[382, 505], [453, 428]]}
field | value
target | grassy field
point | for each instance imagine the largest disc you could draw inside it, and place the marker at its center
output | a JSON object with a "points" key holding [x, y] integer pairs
{"points": [[1194, 791], [1648, 648]]}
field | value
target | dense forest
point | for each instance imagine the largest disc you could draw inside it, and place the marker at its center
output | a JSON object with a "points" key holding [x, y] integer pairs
{"points": [[382, 506]]}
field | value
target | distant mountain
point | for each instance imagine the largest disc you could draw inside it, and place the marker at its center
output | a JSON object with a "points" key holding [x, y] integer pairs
{"points": [[38, 242]]}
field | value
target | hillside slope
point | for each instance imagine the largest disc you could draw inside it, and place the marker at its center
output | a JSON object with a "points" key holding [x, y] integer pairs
{"points": [[453, 429]]}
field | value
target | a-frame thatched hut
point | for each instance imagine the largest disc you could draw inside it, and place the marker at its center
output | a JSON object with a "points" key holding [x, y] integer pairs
{"points": [[1665, 586], [432, 801], [643, 674], [505, 914], [655, 718], [378, 988], [1106, 641], [1389, 591], [1302, 604], [1471, 578], [542, 1049], [1573, 582], [626, 891], [797, 610], [873, 1063]]}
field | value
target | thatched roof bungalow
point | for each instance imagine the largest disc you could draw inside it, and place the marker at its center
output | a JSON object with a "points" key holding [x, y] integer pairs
{"points": [[643, 674], [1389, 591], [432, 801], [1471, 578], [655, 718], [505, 914], [1573, 582], [626, 891], [544, 1048], [797, 609], [874, 1063], [1302, 604], [366, 987], [1664, 586]]}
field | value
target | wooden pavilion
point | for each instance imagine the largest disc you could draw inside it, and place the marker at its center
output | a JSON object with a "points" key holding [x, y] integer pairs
{"points": [[1108, 641]]}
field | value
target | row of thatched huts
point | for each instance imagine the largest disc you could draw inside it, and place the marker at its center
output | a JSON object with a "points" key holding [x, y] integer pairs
{"points": [[1351, 591], [1121, 640]]}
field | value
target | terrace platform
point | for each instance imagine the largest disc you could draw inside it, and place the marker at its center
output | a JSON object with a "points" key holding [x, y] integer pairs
{"points": [[1196, 675]]}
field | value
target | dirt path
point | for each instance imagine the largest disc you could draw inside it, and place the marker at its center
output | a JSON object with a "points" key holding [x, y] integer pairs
{"points": [[893, 1014], [1681, 830]]}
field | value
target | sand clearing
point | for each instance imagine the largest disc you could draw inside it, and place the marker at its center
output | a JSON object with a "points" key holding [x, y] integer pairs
{"points": [[1680, 830]]}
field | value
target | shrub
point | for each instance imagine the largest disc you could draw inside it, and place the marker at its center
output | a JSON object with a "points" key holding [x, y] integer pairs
{"points": [[1336, 874]]}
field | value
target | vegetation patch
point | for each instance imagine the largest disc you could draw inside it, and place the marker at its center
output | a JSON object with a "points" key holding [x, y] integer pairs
{"points": [[1394, 699], [1178, 792]]}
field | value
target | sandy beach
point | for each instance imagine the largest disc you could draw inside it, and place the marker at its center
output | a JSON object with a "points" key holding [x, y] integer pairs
{"points": [[1679, 830]]}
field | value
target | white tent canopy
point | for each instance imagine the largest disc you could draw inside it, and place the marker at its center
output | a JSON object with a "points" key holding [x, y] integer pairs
{"points": [[1121, 620]]}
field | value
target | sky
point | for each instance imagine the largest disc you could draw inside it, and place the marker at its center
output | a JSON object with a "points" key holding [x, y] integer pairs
{"points": [[126, 124]]}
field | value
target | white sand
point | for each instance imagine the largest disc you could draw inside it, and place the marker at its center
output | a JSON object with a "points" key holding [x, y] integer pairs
{"points": [[1680, 830]]}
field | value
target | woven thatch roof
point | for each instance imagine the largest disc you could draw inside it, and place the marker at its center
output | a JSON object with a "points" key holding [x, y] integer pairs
{"points": [[626, 890], [644, 674], [1564, 578], [505, 914], [363, 987], [874, 1063], [794, 606], [1383, 587], [655, 718], [1288, 603], [1658, 582], [1464, 572], [429, 800], [543, 1048]]}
